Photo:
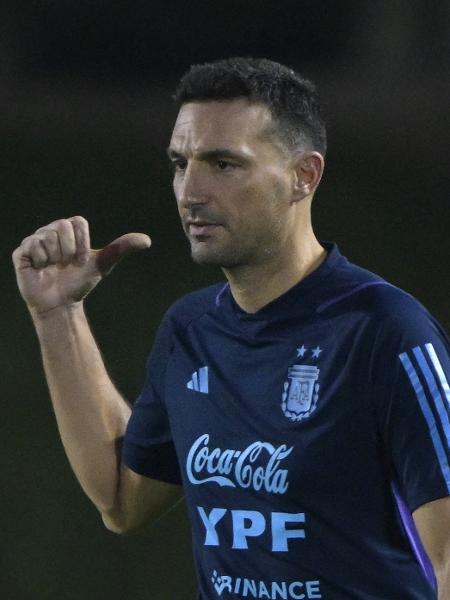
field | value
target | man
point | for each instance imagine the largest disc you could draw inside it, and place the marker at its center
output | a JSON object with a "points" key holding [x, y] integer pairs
{"points": [[303, 406]]}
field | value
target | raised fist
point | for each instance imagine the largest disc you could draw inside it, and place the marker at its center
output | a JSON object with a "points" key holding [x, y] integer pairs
{"points": [[56, 266]]}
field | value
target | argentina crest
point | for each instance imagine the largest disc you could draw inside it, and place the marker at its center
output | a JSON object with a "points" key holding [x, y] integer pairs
{"points": [[301, 390]]}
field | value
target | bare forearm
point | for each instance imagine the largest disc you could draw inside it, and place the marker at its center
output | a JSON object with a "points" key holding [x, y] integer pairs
{"points": [[90, 412], [443, 579]]}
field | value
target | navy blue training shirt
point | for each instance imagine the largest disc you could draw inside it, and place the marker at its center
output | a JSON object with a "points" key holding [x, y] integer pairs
{"points": [[304, 436]]}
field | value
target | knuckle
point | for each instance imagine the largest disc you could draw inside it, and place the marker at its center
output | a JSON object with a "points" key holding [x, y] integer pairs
{"points": [[60, 226], [64, 224], [35, 242], [79, 220], [51, 235], [47, 235]]}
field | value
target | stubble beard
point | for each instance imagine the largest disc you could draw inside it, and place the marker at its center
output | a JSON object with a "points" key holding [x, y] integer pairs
{"points": [[224, 258], [232, 255]]}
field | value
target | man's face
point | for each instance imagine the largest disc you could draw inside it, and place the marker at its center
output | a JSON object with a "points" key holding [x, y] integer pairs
{"points": [[231, 182]]}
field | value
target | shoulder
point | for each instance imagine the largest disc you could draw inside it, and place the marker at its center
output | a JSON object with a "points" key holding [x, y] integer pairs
{"points": [[388, 310], [194, 305], [356, 288], [401, 321]]}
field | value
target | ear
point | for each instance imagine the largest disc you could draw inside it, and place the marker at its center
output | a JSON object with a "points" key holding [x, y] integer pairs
{"points": [[308, 168]]}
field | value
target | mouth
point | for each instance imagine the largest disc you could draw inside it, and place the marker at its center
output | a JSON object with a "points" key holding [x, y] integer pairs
{"points": [[201, 228]]}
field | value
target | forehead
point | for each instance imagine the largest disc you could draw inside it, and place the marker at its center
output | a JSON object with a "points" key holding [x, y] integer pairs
{"points": [[233, 123]]}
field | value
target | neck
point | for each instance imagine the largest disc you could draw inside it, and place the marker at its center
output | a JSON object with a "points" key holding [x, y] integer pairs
{"points": [[254, 286]]}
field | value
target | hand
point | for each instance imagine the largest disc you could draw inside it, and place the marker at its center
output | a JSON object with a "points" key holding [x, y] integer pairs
{"points": [[56, 266]]}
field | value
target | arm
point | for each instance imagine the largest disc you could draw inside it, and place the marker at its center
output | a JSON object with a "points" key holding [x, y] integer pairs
{"points": [[92, 417], [410, 375], [433, 524], [55, 269]]}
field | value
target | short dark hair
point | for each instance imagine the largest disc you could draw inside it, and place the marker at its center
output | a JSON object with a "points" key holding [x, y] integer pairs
{"points": [[292, 99]]}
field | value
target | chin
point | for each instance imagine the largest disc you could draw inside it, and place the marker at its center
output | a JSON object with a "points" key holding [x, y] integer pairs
{"points": [[209, 257], [206, 258]]}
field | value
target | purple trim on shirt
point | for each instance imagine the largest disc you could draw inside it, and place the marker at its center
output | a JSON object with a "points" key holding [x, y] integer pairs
{"points": [[355, 290], [220, 294], [413, 537]]}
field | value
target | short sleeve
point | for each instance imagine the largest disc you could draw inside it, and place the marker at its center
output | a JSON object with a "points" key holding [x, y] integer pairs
{"points": [[147, 446], [411, 370]]}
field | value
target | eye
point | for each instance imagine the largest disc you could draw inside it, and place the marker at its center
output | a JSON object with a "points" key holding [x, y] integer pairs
{"points": [[178, 166], [224, 165]]}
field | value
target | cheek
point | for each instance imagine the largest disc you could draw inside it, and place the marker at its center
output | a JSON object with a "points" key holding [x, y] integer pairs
{"points": [[176, 188], [263, 201]]}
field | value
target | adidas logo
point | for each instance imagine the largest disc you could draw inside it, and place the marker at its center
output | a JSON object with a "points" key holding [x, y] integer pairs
{"points": [[199, 381]]}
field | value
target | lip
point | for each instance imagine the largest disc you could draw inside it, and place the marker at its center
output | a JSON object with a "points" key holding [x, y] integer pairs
{"points": [[202, 228]]}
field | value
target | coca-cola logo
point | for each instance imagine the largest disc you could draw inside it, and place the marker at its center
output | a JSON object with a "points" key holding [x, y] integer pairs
{"points": [[237, 468]]}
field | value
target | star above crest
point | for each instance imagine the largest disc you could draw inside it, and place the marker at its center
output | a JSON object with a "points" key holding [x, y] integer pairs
{"points": [[316, 351], [303, 351]]}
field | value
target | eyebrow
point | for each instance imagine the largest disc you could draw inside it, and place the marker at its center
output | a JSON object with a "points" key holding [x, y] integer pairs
{"points": [[207, 155]]}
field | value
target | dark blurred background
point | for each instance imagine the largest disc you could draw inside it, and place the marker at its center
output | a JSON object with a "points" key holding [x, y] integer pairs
{"points": [[86, 116]]}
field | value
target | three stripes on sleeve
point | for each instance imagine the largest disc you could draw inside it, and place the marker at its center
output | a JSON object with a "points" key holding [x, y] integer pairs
{"points": [[431, 387]]}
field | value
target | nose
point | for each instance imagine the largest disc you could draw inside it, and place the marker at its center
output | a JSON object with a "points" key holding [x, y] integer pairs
{"points": [[190, 188]]}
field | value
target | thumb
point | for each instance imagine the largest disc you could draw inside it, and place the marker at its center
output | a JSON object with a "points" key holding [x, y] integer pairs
{"points": [[108, 256]]}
